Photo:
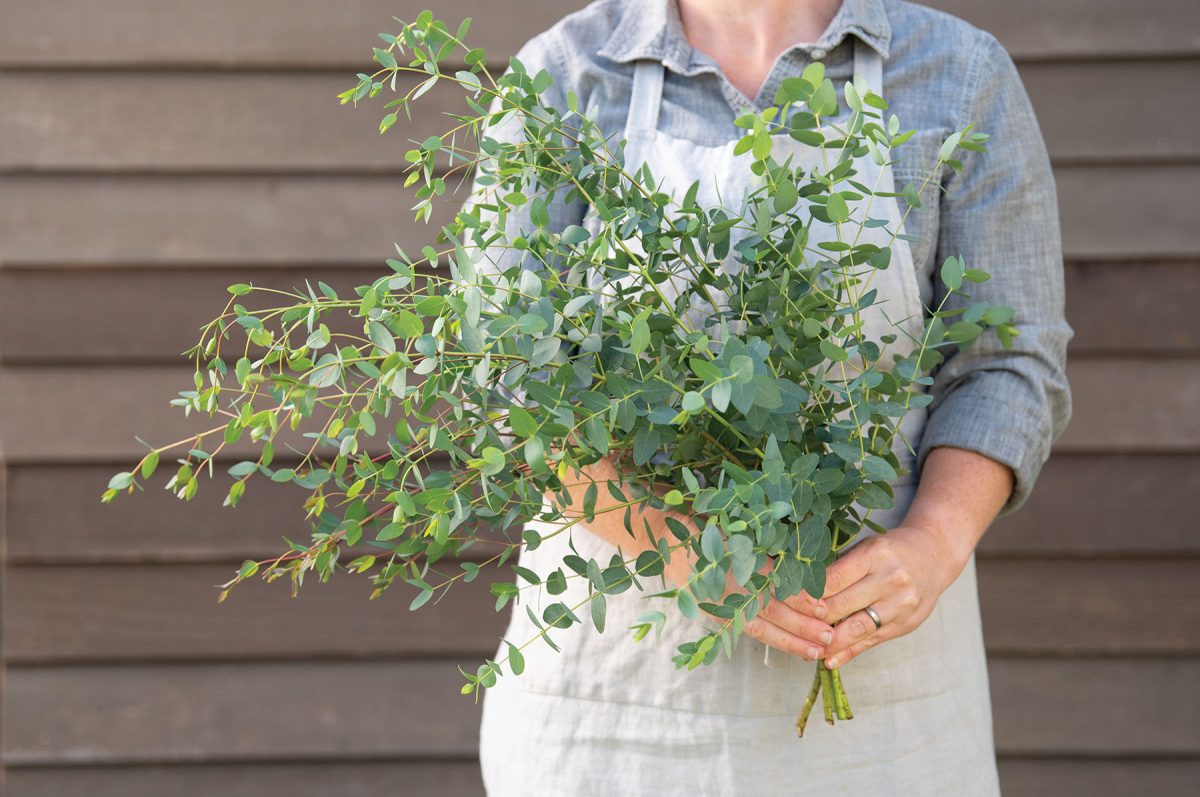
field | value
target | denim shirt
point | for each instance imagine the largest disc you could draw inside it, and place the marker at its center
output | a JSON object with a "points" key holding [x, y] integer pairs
{"points": [[1000, 214]]}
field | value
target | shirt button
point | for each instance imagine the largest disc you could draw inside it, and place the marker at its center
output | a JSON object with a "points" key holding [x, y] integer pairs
{"points": [[818, 53]]}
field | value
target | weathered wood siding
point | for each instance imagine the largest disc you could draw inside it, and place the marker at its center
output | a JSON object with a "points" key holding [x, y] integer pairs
{"points": [[152, 153]]}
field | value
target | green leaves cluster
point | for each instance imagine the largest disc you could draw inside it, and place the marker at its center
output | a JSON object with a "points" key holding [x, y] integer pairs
{"points": [[772, 420]]}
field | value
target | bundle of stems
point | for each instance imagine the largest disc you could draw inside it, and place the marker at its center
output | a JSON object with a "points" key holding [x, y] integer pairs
{"points": [[750, 404]]}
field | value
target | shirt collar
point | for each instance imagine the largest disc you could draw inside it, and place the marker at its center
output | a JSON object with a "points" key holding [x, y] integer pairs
{"points": [[652, 29]]}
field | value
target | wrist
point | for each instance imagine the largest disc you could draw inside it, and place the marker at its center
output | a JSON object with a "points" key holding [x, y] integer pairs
{"points": [[953, 538]]}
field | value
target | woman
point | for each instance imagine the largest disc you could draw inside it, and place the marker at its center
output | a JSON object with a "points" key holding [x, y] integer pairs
{"points": [[610, 716]]}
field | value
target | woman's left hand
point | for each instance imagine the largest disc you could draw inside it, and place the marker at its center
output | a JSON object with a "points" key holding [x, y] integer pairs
{"points": [[900, 575]]}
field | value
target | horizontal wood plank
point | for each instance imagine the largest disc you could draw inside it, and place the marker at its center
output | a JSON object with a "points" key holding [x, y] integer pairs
{"points": [[1063, 29], [295, 220], [163, 121], [275, 220], [1100, 207], [103, 613], [1113, 308], [247, 33], [345, 778], [96, 411], [292, 712], [1129, 405], [1108, 305], [239, 711], [1139, 607], [92, 413], [1028, 777], [303, 33], [1082, 506], [1019, 777], [1074, 107], [170, 612], [1094, 707], [166, 121], [1104, 505]]}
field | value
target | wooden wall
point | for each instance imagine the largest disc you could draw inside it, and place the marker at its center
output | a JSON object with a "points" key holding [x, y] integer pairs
{"points": [[153, 152]]}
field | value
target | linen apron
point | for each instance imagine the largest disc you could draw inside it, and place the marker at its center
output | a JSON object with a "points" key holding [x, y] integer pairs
{"points": [[611, 716]]}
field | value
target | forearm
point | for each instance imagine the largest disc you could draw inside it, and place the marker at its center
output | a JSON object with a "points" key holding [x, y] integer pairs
{"points": [[959, 496], [609, 524]]}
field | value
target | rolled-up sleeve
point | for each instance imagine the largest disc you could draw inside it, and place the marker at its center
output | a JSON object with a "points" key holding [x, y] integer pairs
{"points": [[1000, 214]]}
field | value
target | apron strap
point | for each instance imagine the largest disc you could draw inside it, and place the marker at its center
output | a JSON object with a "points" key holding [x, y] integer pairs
{"points": [[647, 96], [868, 66]]}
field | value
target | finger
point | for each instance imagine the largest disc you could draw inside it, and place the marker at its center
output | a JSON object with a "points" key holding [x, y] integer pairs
{"points": [[766, 631], [858, 595], [852, 567], [801, 625], [807, 604], [859, 631]]}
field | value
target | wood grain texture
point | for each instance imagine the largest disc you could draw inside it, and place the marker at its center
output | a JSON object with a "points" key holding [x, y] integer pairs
{"points": [[167, 220], [247, 33], [98, 613], [1112, 212], [240, 711], [1028, 777], [170, 612], [175, 148], [261, 33], [1061, 607], [159, 221], [1104, 505], [341, 777], [1019, 777], [1144, 307], [1126, 404], [370, 709], [1065, 29], [1093, 707], [1083, 506], [165, 121], [90, 413], [1114, 308], [96, 412]]}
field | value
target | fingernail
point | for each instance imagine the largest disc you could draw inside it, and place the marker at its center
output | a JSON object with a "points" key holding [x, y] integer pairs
{"points": [[813, 653], [826, 637], [820, 611], [831, 663]]}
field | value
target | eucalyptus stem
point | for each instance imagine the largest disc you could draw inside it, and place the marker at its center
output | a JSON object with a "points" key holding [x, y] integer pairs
{"points": [[776, 415], [809, 702]]}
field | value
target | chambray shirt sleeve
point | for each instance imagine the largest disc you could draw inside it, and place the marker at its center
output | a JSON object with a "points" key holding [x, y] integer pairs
{"points": [[543, 51], [1001, 215]]}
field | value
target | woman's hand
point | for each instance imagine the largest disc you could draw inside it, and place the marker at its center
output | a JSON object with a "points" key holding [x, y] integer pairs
{"points": [[793, 626], [900, 575]]}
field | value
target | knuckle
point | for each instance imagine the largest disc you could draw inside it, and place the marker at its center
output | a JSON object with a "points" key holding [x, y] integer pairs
{"points": [[811, 629], [803, 602], [833, 581], [901, 577], [910, 600], [877, 545], [858, 627]]}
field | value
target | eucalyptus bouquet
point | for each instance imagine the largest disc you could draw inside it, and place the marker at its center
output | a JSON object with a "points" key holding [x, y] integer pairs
{"points": [[769, 422]]}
